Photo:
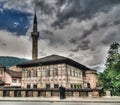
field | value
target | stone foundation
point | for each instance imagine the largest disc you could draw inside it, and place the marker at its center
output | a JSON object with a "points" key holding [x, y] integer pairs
{"points": [[11, 93], [93, 94], [75, 94], [23, 93], [1, 93], [35, 93], [48, 93]]}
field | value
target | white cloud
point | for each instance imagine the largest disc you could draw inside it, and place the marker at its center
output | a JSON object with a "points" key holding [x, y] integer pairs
{"points": [[21, 5], [97, 53], [12, 45]]}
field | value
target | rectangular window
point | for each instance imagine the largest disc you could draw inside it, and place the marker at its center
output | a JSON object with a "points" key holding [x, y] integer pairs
{"points": [[47, 73], [6, 93], [83, 73], [28, 73], [71, 86], [75, 86], [23, 73], [14, 80], [56, 86], [76, 74], [72, 73], [35, 73], [47, 86], [28, 86], [39, 79], [1, 72], [35, 86], [0, 78], [19, 80], [55, 72], [43, 73], [63, 72], [79, 74]]}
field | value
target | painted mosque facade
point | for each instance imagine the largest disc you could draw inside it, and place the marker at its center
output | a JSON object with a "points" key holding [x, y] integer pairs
{"points": [[53, 71]]}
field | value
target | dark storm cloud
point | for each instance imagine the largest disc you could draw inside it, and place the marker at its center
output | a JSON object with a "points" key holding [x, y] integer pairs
{"points": [[83, 45], [85, 33], [95, 27], [113, 36], [46, 34], [43, 6], [90, 31], [104, 25], [49, 35], [109, 24], [71, 55], [80, 10], [75, 49], [60, 2], [116, 22]]}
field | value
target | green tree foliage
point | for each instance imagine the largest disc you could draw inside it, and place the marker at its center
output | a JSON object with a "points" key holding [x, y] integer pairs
{"points": [[110, 78], [113, 54]]}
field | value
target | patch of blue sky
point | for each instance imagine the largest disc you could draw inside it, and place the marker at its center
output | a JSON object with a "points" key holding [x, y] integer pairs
{"points": [[14, 21]]}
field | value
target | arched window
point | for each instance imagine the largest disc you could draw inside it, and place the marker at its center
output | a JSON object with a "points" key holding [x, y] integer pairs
{"points": [[47, 73], [29, 73], [55, 72], [23, 73], [63, 72], [35, 73], [88, 85]]}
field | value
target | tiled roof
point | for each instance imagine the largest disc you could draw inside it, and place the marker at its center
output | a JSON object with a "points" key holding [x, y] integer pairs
{"points": [[14, 74], [52, 59]]}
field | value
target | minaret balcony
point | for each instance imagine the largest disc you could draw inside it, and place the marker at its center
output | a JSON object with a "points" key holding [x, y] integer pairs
{"points": [[35, 34]]}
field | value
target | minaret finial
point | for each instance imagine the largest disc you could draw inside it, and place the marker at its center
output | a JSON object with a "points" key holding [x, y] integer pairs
{"points": [[35, 17], [35, 22]]}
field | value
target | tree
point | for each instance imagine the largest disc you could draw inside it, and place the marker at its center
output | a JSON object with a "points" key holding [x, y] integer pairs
{"points": [[110, 78], [112, 54]]}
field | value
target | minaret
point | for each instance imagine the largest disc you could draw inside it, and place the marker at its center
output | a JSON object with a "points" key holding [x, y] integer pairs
{"points": [[35, 35]]}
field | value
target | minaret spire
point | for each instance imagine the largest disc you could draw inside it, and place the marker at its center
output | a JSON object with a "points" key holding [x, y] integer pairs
{"points": [[35, 18], [35, 35], [35, 22]]}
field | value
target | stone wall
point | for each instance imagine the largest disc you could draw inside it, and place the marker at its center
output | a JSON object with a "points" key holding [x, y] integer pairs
{"points": [[48, 93], [35, 93], [66, 75], [23, 93], [91, 77], [1, 93], [11, 93]]}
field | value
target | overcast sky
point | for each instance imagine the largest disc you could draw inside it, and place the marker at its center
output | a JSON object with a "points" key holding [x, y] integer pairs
{"points": [[79, 29]]}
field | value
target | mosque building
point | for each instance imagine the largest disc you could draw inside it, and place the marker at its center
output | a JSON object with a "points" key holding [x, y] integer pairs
{"points": [[54, 70]]}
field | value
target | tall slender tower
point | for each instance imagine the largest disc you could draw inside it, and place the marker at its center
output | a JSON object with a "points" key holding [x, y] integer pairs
{"points": [[35, 36]]}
